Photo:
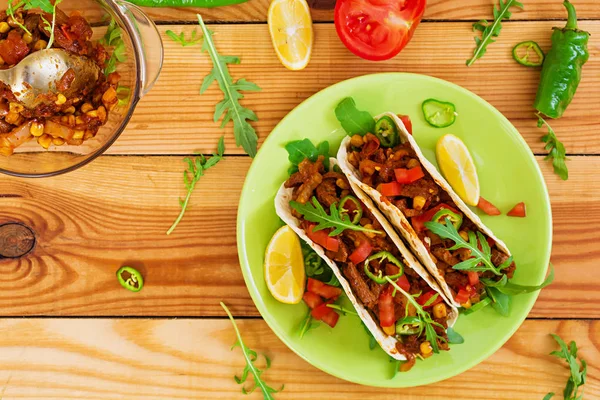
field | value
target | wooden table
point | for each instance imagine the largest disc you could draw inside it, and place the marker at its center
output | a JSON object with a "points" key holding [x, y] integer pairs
{"points": [[70, 331]]}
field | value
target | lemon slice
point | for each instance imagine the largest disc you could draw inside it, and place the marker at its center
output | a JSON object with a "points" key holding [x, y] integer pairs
{"points": [[291, 31], [458, 168], [284, 266]]}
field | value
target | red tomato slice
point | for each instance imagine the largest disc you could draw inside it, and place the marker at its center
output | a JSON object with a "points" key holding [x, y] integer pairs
{"points": [[390, 189], [462, 296], [404, 175], [518, 211], [403, 283], [418, 222], [488, 207], [407, 122], [361, 253], [322, 289], [331, 319], [377, 29], [473, 278], [322, 238], [386, 307], [424, 298], [321, 310], [371, 145], [312, 300]]}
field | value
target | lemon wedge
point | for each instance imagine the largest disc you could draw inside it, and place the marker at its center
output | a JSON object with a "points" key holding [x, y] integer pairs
{"points": [[458, 168], [284, 266], [290, 26]]}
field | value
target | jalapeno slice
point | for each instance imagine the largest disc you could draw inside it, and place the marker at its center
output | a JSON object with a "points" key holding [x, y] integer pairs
{"points": [[356, 210], [522, 51], [409, 326], [444, 213], [439, 114], [387, 132], [383, 256], [130, 278]]}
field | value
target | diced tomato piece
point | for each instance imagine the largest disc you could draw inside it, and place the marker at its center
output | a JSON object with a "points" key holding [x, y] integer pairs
{"points": [[407, 122], [361, 253], [371, 145], [424, 298], [418, 222], [312, 300], [518, 211], [403, 283], [322, 289], [490, 241], [462, 296], [323, 239], [321, 310], [473, 278], [390, 189], [386, 307], [331, 319], [404, 175], [488, 207]]}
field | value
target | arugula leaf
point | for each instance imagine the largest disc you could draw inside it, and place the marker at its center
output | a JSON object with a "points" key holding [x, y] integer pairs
{"points": [[372, 340], [342, 309], [548, 396], [578, 372], [45, 5], [500, 301], [454, 337], [491, 31], [230, 107], [298, 150], [354, 121], [194, 38], [556, 150], [113, 38], [395, 366], [477, 306], [307, 324], [314, 212], [513, 289], [191, 176], [251, 356]]}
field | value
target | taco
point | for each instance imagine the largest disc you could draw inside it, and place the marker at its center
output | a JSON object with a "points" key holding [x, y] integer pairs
{"points": [[417, 200], [408, 318]]}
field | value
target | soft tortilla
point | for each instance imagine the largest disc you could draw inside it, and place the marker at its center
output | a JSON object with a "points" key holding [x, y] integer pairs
{"points": [[396, 216], [387, 343]]}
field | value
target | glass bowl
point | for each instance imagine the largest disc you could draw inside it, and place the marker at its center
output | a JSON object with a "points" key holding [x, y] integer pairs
{"points": [[144, 53]]}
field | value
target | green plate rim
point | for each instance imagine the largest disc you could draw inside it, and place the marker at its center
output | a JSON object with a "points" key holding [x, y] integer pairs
{"points": [[257, 298]]}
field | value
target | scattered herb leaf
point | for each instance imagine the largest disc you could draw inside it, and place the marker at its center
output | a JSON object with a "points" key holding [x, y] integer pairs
{"points": [[395, 366], [372, 340], [299, 150], [477, 306], [229, 107], [314, 212], [454, 337], [45, 5], [489, 31], [113, 38], [194, 38], [191, 176], [307, 324], [251, 356], [513, 289], [500, 301], [556, 150], [124, 95], [578, 372], [354, 121], [343, 310]]}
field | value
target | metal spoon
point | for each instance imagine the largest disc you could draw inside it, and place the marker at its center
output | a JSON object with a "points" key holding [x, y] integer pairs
{"points": [[39, 73]]}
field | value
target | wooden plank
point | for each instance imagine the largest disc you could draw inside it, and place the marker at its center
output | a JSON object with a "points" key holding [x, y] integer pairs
{"points": [[191, 359], [256, 11], [175, 119], [116, 211]]}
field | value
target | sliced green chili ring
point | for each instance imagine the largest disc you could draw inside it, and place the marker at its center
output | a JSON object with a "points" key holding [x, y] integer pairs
{"points": [[439, 114], [358, 211], [387, 132], [444, 213], [130, 278], [409, 326], [524, 59], [382, 256]]}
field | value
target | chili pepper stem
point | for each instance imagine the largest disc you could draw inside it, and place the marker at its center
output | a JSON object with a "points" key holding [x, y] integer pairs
{"points": [[572, 17]]}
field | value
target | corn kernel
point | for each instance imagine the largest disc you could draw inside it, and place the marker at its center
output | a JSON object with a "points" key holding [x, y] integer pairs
{"points": [[464, 235], [78, 135], [4, 27], [16, 107], [71, 120], [78, 120], [342, 183], [14, 22], [389, 330], [61, 99], [2, 62], [58, 141], [369, 234], [102, 113], [40, 44], [45, 141], [36, 129], [70, 110], [425, 348], [27, 38], [466, 304], [356, 141], [88, 135], [413, 162], [64, 120], [86, 107], [93, 114], [419, 202], [439, 310], [12, 118]]}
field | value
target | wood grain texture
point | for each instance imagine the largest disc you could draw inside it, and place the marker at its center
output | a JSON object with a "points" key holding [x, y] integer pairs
{"points": [[191, 359], [174, 118], [256, 11], [116, 211]]}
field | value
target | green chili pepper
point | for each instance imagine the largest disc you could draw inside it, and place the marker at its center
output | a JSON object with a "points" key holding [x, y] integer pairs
{"points": [[382, 256], [439, 114], [561, 71], [387, 132], [528, 46], [444, 213], [186, 3], [358, 211], [409, 326], [130, 279]]}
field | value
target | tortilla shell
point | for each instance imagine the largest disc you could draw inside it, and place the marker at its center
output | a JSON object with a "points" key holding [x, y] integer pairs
{"points": [[397, 218], [387, 343]]}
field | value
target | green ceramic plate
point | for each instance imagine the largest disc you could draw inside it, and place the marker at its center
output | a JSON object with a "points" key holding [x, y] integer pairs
{"points": [[508, 174]]}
